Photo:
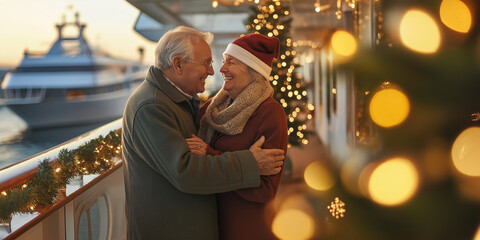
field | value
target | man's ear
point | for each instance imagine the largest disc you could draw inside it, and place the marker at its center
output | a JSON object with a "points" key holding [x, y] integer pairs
{"points": [[177, 65]]}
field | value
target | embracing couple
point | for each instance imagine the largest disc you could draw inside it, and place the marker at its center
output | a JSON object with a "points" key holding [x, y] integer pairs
{"points": [[209, 172]]}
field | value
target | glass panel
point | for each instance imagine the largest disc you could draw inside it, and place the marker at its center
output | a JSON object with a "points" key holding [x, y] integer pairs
{"points": [[94, 222], [83, 228]]}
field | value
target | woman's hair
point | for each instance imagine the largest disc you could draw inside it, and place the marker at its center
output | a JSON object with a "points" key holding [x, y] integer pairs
{"points": [[255, 75], [178, 42]]}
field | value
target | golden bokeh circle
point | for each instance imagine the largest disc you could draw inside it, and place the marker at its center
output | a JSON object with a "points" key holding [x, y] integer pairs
{"points": [[344, 43], [419, 32], [456, 15], [393, 182], [293, 224], [389, 107], [466, 152], [318, 177]]}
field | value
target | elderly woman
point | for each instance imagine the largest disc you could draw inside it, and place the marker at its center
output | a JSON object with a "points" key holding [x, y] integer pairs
{"points": [[242, 112]]}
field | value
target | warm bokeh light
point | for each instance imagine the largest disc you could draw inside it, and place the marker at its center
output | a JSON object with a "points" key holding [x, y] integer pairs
{"points": [[389, 107], [318, 177], [343, 43], [393, 182], [456, 15], [466, 152], [364, 177], [293, 224], [477, 235], [420, 32], [295, 201], [337, 208]]}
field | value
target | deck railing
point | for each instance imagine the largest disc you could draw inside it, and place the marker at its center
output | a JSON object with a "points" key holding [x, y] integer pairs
{"points": [[22, 96], [92, 205]]}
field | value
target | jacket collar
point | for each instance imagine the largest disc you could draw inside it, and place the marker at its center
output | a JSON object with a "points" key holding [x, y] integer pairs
{"points": [[156, 78]]}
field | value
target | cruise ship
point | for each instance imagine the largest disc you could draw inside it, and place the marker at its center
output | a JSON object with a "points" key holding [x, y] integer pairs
{"points": [[70, 84]]}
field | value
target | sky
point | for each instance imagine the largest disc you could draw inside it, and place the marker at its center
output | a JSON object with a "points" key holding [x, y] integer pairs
{"points": [[29, 24]]}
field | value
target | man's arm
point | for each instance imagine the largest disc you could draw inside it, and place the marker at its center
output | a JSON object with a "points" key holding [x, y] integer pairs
{"points": [[269, 161], [159, 141]]}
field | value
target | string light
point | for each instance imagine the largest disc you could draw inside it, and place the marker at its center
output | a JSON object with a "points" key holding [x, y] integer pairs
{"points": [[317, 6], [337, 208], [351, 3], [82, 165], [338, 13], [269, 20], [214, 3]]}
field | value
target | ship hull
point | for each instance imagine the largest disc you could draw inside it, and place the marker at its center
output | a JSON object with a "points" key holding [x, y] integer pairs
{"points": [[97, 108]]}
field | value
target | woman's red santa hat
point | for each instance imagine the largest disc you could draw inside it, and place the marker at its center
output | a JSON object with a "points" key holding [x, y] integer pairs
{"points": [[256, 51]]}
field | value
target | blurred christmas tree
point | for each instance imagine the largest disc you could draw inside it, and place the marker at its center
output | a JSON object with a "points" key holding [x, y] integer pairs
{"points": [[272, 18]]}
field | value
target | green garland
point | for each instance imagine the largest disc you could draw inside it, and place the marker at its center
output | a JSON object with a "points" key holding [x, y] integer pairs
{"points": [[91, 157]]}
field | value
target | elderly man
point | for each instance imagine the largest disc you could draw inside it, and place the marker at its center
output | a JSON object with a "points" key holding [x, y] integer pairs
{"points": [[169, 190]]}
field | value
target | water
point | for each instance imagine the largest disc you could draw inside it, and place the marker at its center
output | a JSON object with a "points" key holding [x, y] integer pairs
{"points": [[17, 142]]}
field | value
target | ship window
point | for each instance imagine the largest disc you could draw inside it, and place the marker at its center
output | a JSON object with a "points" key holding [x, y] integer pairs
{"points": [[76, 95], [60, 68], [94, 221], [72, 47]]}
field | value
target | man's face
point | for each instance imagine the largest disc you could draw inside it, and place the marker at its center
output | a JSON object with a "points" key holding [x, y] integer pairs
{"points": [[197, 70]]}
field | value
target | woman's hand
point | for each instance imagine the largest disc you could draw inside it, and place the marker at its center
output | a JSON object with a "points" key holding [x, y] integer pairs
{"points": [[197, 145]]}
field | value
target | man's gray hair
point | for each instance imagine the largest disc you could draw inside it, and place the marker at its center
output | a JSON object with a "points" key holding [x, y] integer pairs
{"points": [[178, 42]]}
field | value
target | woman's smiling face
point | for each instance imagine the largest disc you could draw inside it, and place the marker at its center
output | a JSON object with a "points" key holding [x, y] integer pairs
{"points": [[236, 76]]}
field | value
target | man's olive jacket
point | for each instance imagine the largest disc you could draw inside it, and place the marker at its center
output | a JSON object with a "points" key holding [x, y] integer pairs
{"points": [[170, 191]]}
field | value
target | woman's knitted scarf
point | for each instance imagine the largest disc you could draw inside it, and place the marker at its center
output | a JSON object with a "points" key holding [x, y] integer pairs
{"points": [[231, 119]]}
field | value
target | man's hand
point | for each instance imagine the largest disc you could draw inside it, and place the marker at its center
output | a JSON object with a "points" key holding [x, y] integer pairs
{"points": [[269, 161]]}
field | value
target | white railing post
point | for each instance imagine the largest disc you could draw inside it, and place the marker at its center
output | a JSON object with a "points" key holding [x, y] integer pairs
{"points": [[69, 221]]}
